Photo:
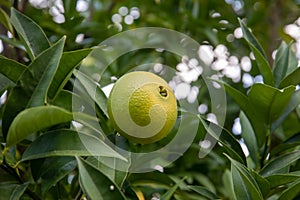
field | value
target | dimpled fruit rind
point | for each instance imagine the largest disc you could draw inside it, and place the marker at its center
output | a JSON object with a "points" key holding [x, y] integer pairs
{"points": [[142, 107]]}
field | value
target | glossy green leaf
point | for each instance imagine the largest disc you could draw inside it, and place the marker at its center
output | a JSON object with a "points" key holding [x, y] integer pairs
{"points": [[93, 89], [259, 54], [35, 119], [269, 102], [281, 64], [32, 35], [32, 87], [4, 19], [254, 117], [18, 191], [248, 134], [230, 144], [51, 170], [11, 69], [291, 192], [277, 180], [107, 165], [13, 42], [203, 192], [168, 195], [292, 79], [244, 184], [278, 163], [54, 143], [293, 103], [225, 138], [95, 184], [263, 183], [67, 64]]}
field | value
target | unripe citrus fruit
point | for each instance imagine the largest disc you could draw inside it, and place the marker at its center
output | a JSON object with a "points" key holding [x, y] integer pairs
{"points": [[142, 107]]}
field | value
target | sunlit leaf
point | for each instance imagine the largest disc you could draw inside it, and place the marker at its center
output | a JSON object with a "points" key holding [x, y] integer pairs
{"points": [[35, 119], [54, 143], [4, 19], [168, 195]]}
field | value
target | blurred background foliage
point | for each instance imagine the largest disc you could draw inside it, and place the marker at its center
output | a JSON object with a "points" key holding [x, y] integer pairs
{"points": [[86, 23]]}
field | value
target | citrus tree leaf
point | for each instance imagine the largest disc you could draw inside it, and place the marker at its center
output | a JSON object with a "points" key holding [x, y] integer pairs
{"points": [[93, 90], [95, 184], [280, 162], [51, 170], [31, 34], [292, 79], [32, 87], [291, 192], [230, 144], [168, 195], [293, 103], [256, 120], [11, 69], [277, 180], [53, 143], [282, 61], [4, 19], [35, 119], [18, 191], [259, 54], [67, 64], [244, 184], [248, 134], [269, 102], [204, 192]]}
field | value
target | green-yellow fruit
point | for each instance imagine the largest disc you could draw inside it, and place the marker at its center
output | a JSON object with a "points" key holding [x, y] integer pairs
{"points": [[142, 107]]}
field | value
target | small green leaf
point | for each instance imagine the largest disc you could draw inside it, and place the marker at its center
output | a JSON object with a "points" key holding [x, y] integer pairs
{"points": [[277, 180], [291, 192], [67, 64], [53, 143], [293, 103], [4, 19], [11, 69], [35, 119], [262, 182], [95, 184], [93, 90], [51, 170], [18, 191], [281, 64], [278, 163], [168, 195], [259, 54], [34, 38], [292, 79], [244, 184], [248, 134], [230, 144], [203, 192]]}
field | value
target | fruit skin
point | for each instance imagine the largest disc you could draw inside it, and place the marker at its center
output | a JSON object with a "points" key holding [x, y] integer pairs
{"points": [[142, 107]]}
